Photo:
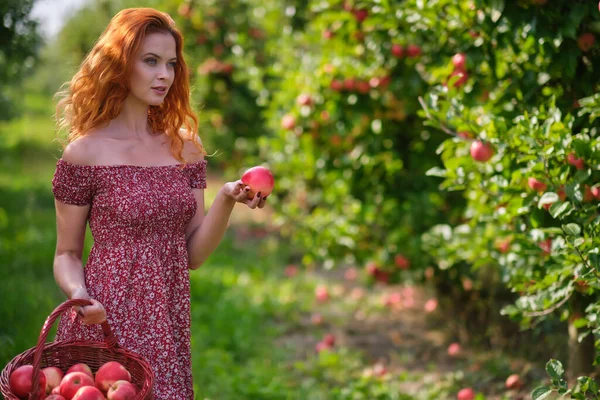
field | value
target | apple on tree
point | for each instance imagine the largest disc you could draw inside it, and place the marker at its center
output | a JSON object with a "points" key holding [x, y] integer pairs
{"points": [[481, 151]]}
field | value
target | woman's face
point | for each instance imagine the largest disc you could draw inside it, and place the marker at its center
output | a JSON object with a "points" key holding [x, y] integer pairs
{"points": [[154, 69]]}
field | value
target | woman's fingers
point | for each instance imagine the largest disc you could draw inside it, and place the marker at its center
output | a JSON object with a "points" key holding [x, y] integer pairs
{"points": [[93, 314]]}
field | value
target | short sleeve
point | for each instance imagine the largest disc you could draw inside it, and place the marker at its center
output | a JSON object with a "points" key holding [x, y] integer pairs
{"points": [[197, 174], [73, 184]]}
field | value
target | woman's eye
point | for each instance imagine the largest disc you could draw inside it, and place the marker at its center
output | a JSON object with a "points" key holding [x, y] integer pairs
{"points": [[173, 64], [151, 61]]}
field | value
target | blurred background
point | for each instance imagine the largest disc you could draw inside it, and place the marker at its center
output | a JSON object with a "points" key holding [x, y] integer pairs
{"points": [[433, 229]]}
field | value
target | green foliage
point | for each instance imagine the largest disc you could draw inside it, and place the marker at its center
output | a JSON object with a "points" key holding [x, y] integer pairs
{"points": [[19, 44]]}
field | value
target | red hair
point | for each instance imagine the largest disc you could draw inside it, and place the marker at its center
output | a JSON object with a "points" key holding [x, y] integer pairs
{"points": [[98, 90]]}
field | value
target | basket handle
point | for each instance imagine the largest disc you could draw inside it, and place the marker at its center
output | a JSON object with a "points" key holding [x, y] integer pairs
{"points": [[109, 338]]}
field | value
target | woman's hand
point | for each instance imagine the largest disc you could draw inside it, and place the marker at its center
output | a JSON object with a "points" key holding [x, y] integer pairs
{"points": [[240, 193], [93, 314]]}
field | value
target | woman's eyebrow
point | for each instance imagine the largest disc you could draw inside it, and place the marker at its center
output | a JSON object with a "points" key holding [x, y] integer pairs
{"points": [[157, 56]]}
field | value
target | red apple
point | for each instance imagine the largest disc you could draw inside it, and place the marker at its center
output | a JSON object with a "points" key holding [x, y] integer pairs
{"points": [[536, 185], [304, 99], [337, 85], [481, 151], [53, 377], [360, 14], [260, 179], [587, 194], [397, 50], [349, 83], [121, 390], [430, 305], [546, 246], [595, 191], [576, 162], [371, 268], [20, 382], [55, 397], [322, 346], [81, 367], [329, 339], [74, 381], [462, 78], [321, 293], [586, 41], [363, 87], [291, 271], [413, 51], [466, 394], [109, 373], [89, 393], [288, 122], [327, 34], [464, 135], [56, 390], [562, 195], [513, 382], [401, 261], [454, 349], [459, 60]]}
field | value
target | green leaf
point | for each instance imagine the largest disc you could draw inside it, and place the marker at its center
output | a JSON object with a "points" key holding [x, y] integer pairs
{"points": [[497, 8], [556, 210], [548, 198], [555, 369], [572, 229], [437, 171], [594, 260], [541, 393]]}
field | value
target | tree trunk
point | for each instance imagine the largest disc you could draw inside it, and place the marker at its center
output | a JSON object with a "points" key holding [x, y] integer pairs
{"points": [[581, 355]]}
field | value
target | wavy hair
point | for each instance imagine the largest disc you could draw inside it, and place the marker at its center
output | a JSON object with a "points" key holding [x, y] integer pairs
{"points": [[97, 91]]}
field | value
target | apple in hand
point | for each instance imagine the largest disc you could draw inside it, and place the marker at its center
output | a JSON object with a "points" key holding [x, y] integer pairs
{"points": [[20, 382], [466, 394], [74, 381], [109, 373], [481, 151], [260, 179], [88, 393], [121, 390], [53, 377], [81, 367]]}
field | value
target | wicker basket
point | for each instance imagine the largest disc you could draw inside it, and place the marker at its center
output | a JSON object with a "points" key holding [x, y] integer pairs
{"points": [[66, 353]]}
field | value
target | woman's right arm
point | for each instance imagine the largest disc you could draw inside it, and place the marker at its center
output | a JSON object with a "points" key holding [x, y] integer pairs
{"points": [[71, 221]]}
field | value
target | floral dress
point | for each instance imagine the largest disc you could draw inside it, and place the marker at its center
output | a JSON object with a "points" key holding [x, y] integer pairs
{"points": [[138, 266]]}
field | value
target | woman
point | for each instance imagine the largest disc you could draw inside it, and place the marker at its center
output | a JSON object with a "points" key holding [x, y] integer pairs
{"points": [[135, 169]]}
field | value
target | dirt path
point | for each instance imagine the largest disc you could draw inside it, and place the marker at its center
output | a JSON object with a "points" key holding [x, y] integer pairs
{"points": [[406, 340]]}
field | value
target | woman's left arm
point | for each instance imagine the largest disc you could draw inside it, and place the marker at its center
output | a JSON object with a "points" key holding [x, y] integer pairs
{"points": [[205, 232]]}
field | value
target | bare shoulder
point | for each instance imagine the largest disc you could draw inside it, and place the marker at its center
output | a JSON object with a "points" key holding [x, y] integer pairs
{"points": [[82, 151], [190, 151]]}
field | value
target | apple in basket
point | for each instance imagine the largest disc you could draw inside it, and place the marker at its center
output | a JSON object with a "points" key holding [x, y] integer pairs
{"points": [[72, 382], [21, 379], [122, 390], [81, 367], [109, 373], [55, 397], [88, 393], [53, 377]]}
